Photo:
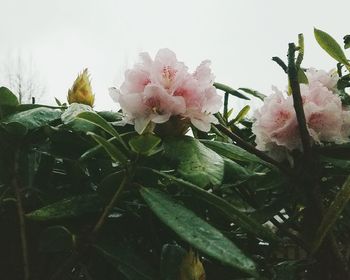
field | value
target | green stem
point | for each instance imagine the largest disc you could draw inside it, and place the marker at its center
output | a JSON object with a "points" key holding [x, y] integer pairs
{"points": [[226, 106], [280, 63]]}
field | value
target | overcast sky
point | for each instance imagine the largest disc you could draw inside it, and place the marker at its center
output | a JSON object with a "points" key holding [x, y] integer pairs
{"points": [[238, 36]]}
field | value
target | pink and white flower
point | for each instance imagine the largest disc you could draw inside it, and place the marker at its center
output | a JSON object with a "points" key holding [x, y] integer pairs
{"points": [[155, 90], [276, 126]]}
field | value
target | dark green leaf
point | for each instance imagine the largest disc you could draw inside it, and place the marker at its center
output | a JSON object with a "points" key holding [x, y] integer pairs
{"points": [[234, 171], [34, 118], [126, 261], [332, 214], [196, 231], [68, 208], [196, 163], [232, 151], [346, 41], [231, 211], [7, 98], [111, 116], [102, 123], [144, 144], [56, 239], [115, 154], [15, 128]]}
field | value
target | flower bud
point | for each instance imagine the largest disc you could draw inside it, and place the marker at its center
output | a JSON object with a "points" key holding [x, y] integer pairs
{"points": [[191, 267], [81, 91]]}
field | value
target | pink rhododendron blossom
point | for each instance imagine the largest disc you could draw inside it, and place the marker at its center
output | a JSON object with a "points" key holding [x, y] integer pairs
{"points": [[276, 126], [327, 79], [155, 90]]}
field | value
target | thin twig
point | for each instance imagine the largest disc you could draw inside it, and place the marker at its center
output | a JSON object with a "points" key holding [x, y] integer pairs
{"points": [[20, 211], [280, 63], [109, 207]]}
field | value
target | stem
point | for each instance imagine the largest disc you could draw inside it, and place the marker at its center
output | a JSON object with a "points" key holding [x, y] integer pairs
{"points": [[109, 207], [298, 102], [226, 106], [251, 149], [331, 259], [20, 211], [280, 63]]}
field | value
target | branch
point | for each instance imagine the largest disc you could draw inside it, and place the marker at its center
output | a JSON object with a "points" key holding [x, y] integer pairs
{"points": [[330, 253], [251, 149], [280, 63], [298, 102], [109, 207], [20, 211]]}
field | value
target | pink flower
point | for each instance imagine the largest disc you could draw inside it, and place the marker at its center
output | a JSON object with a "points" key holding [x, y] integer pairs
{"points": [[276, 126], [324, 113], [136, 79], [327, 79], [167, 71], [155, 90]]}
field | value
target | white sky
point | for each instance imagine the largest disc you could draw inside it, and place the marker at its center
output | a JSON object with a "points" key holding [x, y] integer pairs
{"points": [[238, 36]]}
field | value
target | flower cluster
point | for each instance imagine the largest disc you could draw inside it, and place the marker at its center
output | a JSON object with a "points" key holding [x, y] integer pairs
{"points": [[276, 126], [155, 90]]}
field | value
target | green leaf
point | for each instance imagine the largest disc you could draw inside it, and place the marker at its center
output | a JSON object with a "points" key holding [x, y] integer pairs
{"points": [[34, 118], [196, 231], [234, 171], [26, 107], [72, 207], [302, 78], [56, 239], [240, 116], [230, 90], [15, 128], [73, 111], [111, 116], [331, 46], [7, 98], [144, 144], [232, 152], [332, 214], [115, 154], [102, 123], [196, 163], [254, 93], [126, 261], [231, 212]]}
